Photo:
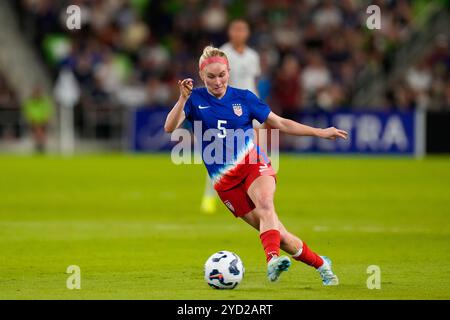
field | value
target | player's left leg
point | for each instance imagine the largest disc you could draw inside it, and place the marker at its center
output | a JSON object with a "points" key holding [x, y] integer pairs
{"points": [[299, 250]]}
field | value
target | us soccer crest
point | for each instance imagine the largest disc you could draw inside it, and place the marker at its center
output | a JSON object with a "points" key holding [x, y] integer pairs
{"points": [[237, 108]]}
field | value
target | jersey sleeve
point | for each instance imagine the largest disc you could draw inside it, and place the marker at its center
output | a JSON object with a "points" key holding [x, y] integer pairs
{"points": [[258, 109]]}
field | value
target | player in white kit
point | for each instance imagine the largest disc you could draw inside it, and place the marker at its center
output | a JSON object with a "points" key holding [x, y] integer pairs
{"points": [[244, 70]]}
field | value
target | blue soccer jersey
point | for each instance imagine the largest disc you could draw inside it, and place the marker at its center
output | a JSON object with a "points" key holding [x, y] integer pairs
{"points": [[227, 129]]}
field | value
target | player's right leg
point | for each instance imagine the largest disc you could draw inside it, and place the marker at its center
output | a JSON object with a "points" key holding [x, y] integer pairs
{"points": [[261, 192], [208, 204]]}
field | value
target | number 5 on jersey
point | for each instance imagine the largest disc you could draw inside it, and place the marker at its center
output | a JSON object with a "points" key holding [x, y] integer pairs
{"points": [[223, 130]]}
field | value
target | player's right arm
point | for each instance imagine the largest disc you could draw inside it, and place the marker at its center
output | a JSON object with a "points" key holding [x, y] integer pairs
{"points": [[176, 116]]}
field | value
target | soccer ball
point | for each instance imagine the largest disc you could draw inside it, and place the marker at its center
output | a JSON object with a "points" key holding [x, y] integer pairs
{"points": [[224, 270]]}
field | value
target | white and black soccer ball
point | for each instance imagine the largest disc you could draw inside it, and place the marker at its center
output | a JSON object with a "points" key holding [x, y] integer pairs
{"points": [[224, 270]]}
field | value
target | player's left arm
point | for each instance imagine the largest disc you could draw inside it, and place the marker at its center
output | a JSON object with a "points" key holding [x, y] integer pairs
{"points": [[297, 129]]}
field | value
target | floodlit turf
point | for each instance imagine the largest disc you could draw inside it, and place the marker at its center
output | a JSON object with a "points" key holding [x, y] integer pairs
{"points": [[132, 224]]}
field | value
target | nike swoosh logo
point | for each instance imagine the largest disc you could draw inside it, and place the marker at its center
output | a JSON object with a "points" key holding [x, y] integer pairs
{"points": [[200, 107]]}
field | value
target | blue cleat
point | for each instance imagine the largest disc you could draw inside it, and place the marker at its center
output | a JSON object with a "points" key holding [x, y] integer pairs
{"points": [[327, 275], [276, 266]]}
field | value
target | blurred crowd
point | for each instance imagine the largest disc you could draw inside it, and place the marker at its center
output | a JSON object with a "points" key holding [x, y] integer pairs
{"points": [[9, 118], [427, 82], [35, 111], [131, 53], [8, 98]]}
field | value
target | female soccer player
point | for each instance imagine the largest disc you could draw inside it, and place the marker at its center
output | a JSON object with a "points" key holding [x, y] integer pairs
{"points": [[246, 69], [242, 174]]}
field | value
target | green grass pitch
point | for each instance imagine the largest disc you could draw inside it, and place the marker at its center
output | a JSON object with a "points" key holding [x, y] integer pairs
{"points": [[132, 224]]}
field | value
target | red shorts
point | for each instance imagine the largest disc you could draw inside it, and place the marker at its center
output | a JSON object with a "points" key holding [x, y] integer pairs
{"points": [[236, 199]]}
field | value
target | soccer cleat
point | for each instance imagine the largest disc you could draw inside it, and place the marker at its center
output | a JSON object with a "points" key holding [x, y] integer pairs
{"points": [[327, 275], [276, 266], [208, 204]]}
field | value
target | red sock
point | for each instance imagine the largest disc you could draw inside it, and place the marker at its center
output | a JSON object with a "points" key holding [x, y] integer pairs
{"points": [[271, 242], [309, 257]]}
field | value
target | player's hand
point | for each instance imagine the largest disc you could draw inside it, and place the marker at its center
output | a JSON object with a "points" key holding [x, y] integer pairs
{"points": [[186, 87], [332, 133]]}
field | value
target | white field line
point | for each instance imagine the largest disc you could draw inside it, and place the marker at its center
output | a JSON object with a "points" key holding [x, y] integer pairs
{"points": [[371, 229]]}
